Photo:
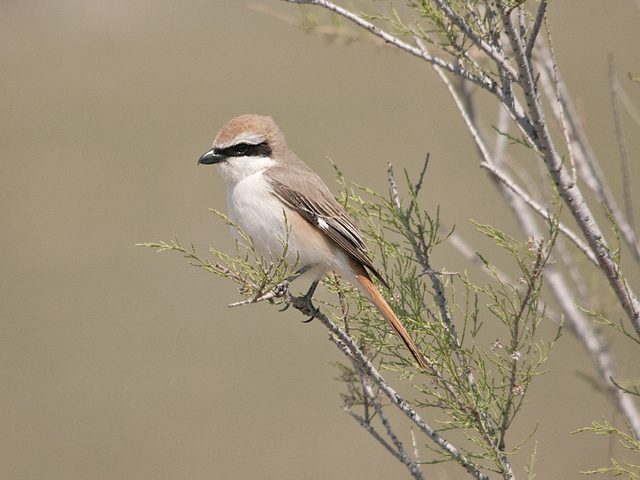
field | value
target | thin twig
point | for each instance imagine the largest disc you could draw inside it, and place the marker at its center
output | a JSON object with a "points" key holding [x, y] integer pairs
{"points": [[556, 82], [235, 277], [403, 457], [483, 81], [536, 272], [538, 209], [414, 442], [484, 46], [418, 186], [535, 28], [279, 291], [276, 292], [622, 144], [476, 19], [372, 431]]}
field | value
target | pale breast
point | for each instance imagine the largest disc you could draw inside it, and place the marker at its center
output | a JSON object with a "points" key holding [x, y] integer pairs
{"points": [[258, 213], [261, 215]]}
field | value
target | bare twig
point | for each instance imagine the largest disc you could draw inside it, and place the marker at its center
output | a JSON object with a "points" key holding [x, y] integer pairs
{"points": [[590, 171], [483, 81], [622, 145], [535, 28], [372, 431], [403, 457], [484, 46], [563, 126], [418, 185], [487, 163]]}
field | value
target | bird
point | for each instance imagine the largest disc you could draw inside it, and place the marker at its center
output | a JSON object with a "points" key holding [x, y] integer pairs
{"points": [[273, 195]]}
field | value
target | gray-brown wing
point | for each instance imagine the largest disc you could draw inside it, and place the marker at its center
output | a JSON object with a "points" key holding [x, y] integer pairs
{"points": [[331, 219]]}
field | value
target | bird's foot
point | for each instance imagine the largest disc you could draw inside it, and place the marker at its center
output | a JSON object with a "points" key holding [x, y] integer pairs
{"points": [[305, 303], [306, 306]]}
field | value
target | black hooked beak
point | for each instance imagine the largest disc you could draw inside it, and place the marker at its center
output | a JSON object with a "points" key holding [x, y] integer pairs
{"points": [[211, 158]]}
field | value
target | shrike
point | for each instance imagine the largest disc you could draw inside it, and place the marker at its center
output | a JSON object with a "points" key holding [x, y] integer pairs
{"points": [[270, 190]]}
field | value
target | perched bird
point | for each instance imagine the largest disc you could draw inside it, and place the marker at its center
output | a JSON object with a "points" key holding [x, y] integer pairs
{"points": [[270, 190]]}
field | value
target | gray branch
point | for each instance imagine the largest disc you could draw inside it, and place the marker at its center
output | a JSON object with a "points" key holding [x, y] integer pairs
{"points": [[349, 347]]}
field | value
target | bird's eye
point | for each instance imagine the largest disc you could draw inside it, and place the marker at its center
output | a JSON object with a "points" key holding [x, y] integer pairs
{"points": [[241, 148]]}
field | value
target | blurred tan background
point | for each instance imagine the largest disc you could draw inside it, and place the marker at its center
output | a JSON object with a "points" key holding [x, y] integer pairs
{"points": [[116, 363]]}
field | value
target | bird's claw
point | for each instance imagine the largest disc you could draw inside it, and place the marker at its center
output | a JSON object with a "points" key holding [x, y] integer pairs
{"points": [[304, 303], [287, 304], [288, 300], [313, 315]]}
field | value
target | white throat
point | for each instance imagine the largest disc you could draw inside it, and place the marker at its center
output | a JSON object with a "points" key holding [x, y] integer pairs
{"points": [[236, 169], [252, 204]]}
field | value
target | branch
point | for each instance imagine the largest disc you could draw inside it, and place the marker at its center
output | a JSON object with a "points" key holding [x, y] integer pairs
{"points": [[590, 172], [568, 189], [404, 458], [483, 81], [579, 325], [484, 46], [483, 423], [504, 180], [349, 348], [372, 431], [535, 28], [622, 145], [488, 164], [536, 273]]}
